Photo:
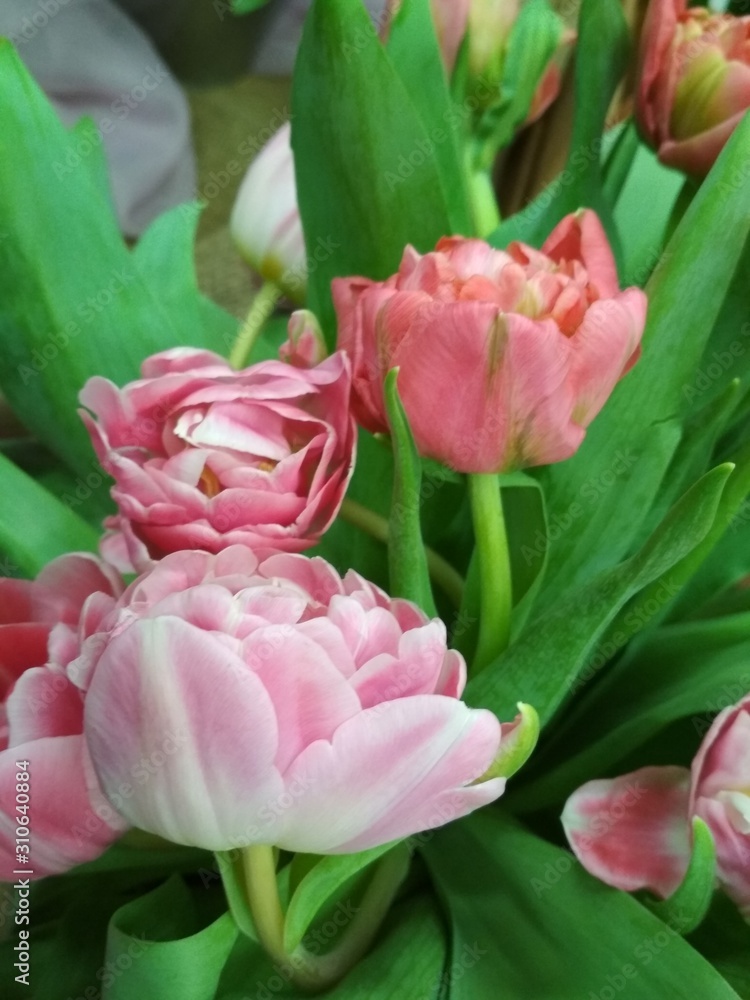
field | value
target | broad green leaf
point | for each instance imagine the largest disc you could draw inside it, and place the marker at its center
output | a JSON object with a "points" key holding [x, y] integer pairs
{"points": [[653, 604], [681, 671], [691, 900], [618, 158], [320, 884], [724, 939], [158, 948], [544, 664], [727, 353], [34, 525], [165, 257], [73, 299], [409, 576], [368, 181], [685, 296], [644, 234], [528, 922], [407, 962], [247, 6], [601, 55], [413, 46]]}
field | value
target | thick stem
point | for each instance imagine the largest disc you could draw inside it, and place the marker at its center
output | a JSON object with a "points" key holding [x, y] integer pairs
{"points": [[496, 597], [259, 863], [441, 571], [484, 203], [262, 308], [310, 972]]}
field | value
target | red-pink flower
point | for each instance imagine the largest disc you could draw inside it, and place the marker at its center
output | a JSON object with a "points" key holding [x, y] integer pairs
{"points": [[694, 82], [505, 356], [41, 722], [280, 705], [204, 456], [634, 832]]}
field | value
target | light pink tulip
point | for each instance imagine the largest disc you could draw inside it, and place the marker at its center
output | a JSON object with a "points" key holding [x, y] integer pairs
{"points": [[505, 356], [41, 721], [279, 704], [204, 456], [634, 832], [694, 82], [265, 222]]}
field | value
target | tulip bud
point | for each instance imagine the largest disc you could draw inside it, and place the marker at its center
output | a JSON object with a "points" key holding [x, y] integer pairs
{"points": [[694, 82], [305, 346], [265, 222]]}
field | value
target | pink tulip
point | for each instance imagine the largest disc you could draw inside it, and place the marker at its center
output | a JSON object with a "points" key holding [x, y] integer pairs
{"points": [[41, 722], [634, 832], [505, 356], [204, 456], [275, 703], [265, 222], [694, 82]]}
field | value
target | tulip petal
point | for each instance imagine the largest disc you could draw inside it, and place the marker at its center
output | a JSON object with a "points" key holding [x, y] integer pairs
{"points": [[175, 713], [388, 772], [633, 832], [310, 695], [581, 237], [70, 820]]}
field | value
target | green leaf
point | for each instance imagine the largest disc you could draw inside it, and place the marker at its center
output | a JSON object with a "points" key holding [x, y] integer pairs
{"points": [[643, 234], [409, 575], [543, 665], [368, 181], [619, 158], [724, 939], [641, 418], [322, 882], [413, 46], [690, 902], [407, 962], [525, 915], [601, 56], [73, 299], [34, 526], [159, 949], [678, 672], [165, 257], [247, 6]]}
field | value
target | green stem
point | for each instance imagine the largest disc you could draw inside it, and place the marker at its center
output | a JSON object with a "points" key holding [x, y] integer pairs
{"points": [[441, 571], [484, 203], [496, 597], [261, 310], [259, 862], [310, 972]]}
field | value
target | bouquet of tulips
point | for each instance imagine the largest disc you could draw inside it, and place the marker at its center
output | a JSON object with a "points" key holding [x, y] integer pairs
{"points": [[394, 641]]}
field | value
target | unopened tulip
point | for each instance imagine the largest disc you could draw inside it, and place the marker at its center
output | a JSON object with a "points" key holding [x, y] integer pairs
{"points": [[41, 722], [265, 222], [204, 456], [634, 832], [505, 356], [487, 24], [694, 82], [303, 710]]}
